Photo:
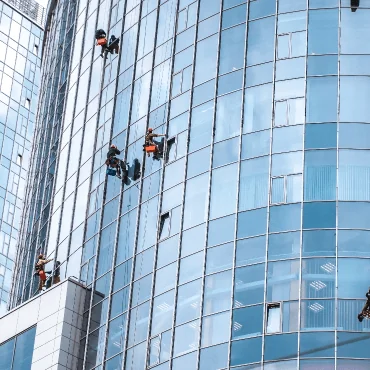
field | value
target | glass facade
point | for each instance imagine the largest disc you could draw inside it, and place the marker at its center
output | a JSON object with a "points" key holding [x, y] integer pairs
{"points": [[16, 353], [246, 246], [20, 59]]}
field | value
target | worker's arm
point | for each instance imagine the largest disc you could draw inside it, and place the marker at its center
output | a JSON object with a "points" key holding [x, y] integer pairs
{"points": [[44, 262]]}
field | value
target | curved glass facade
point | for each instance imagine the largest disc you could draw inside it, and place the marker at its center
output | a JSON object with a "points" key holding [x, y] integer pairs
{"points": [[247, 246], [20, 60]]}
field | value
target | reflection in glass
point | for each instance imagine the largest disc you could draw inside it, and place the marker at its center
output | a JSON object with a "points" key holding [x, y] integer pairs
{"points": [[247, 322], [186, 338], [214, 358]]}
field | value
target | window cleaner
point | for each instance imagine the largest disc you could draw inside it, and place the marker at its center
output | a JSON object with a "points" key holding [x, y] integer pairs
{"points": [[40, 269], [150, 146], [365, 313], [101, 40], [113, 163]]}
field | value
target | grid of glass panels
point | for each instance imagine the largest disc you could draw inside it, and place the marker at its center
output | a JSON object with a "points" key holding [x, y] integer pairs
{"points": [[16, 353], [247, 244], [56, 56], [20, 52]]}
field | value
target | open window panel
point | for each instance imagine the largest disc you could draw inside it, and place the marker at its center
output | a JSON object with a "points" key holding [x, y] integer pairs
{"points": [[27, 103], [164, 227], [19, 159], [273, 317], [35, 49], [171, 149], [159, 349], [354, 5]]}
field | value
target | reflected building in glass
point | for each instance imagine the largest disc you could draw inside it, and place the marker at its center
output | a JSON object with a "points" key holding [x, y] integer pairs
{"points": [[247, 246], [20, 59]]}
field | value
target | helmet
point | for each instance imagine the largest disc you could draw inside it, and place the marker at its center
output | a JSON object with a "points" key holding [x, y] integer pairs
{"points": [[113, 146], [150, 129]]}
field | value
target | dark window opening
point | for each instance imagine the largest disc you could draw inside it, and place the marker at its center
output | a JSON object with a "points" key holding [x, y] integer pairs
{"points": [[19, 159], [171, 149], [164, 229], [35, 49], [27, 103], [273, 318]]}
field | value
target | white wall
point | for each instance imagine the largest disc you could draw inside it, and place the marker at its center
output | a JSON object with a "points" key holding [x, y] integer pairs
{"points": [[57, 314]]}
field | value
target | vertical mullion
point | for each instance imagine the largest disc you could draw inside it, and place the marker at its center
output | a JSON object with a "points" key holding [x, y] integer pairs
{"points": [[209, 184], [269, 197]]}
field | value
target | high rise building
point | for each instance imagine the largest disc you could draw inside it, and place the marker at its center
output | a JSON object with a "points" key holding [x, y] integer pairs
{"points": [[246, 246], [21, 38]]}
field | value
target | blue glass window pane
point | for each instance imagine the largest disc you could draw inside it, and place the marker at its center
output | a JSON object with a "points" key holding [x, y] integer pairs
{"points": [[277, 190], [232, 49], [261, 8], [249, 285], [219, 258], [204, 92], [278, 347], [215, 329], [318, 314], [24, 349], [323, 31], [318, 243], [354, 135], [323, 3], [196, 201], [353, 177], [179, 105], [283, 280], [201, 126], [165, 278], [349, 345], [183, 362], [285, 245], [321, 136], [243, 326], [318, 215], [318, 278], [353, 215], [234, 16], [246, 351], [126, 236], [286, 164], [355, 64], [141, 290], [114, 363], [250, 251], [205, 60], [220, 231], [116, 335], [322, 102], [252, 223], [186, 338], [217, 292], [224, 191], [285, 217], [313, 345], [188, 299], [230, 82], [119, 302], [291, 22], [290, 68], [138, 325], [353, 243], [254, 183], [6, 354], [162, 316], [256, 114], [259, 74], [287, 139], [214, 357], [167, 251], [228, 116], [261, 38], [208, 27], [198, 162], [290, 89], [190, 268], [256, 144], [193, 240], [122, 275], [107, 242], [208, 8], [291, 5], [353, 32], [225, 152], [322, 65], [320, 175]]}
